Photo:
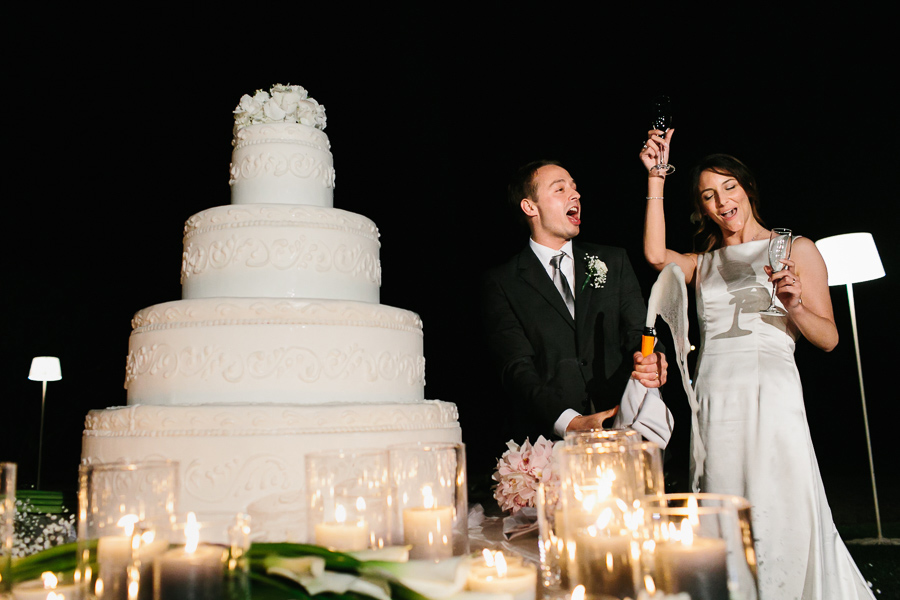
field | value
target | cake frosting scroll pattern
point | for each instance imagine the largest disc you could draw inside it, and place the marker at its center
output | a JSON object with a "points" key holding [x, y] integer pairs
{"points": [[281, 251]]}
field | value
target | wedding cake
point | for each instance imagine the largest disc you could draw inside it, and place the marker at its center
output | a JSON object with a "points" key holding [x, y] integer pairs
{"points": [[278, 346]]}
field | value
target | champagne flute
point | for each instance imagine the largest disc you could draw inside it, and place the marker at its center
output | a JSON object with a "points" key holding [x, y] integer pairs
{"points": [[661, 109], [779, 247]]}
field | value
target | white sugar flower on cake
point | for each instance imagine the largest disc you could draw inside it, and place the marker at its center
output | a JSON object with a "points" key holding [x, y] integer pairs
{"points": [[281, 104]]}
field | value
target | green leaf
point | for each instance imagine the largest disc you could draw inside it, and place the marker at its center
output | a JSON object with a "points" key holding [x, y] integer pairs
{"points": [[58, 559]]}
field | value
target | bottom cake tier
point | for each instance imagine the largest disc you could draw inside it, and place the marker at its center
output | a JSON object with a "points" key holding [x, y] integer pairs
{"points": [[251, 458]]}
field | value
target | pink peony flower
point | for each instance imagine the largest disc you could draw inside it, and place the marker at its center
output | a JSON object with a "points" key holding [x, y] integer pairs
{"points": [[519, 471]]}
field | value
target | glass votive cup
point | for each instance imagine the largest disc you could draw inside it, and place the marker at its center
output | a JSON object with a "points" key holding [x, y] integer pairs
{"points": [[194, 560], [645, 460], [430, 499], [552, 578], [349, 498], [596, 436], [596, 520], [112, 499], [7, 522], [699, 544]]}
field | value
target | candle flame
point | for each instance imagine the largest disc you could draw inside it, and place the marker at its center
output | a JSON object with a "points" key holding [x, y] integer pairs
{"points": [[687, 533], [578, 593], [191, 534], [649, 584], [427, 497], [501, 564], [127, 523], [488, 557], [340, 513], [610, 563], [692, 511], [604, 519], [49, 580], [360, 504]]}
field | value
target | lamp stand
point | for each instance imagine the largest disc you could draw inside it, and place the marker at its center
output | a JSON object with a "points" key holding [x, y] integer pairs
{"points": [[862, 391], [41, 437]]}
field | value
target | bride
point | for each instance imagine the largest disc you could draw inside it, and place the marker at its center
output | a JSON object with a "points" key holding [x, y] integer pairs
{"points": [[752, 420]]}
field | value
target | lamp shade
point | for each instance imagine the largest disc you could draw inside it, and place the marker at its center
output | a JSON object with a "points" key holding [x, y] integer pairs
{"points": [[45, 368], [850, 258]]}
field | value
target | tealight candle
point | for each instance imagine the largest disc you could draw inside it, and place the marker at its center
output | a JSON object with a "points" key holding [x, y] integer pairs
{"points": [[340, 535], [47, 587], [518, 580], [428, 529]]}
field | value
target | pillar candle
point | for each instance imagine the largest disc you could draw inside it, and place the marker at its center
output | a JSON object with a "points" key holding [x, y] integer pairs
{"points": [[342, 537], [113, 560], [429, 531], [182, 575], [698, 568], [602, 564]]}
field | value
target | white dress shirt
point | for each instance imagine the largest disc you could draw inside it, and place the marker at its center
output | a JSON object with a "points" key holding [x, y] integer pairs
{"points": [[567, 266]]}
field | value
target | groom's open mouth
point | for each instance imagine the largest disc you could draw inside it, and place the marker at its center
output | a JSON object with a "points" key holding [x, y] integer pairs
{"points": [[574, 216]]}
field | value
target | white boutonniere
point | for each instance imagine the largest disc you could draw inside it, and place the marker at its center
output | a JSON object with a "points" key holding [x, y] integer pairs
{"points": [[596, 272]]}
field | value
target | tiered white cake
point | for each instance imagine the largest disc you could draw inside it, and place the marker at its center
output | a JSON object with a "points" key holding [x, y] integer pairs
{"points": [[279, 346]]}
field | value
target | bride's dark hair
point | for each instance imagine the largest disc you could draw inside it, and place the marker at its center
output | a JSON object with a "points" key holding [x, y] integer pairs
{"points": [[708, 235]]}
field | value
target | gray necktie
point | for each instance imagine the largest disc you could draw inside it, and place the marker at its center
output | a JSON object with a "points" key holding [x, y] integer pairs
{"points": [[559, 280]]}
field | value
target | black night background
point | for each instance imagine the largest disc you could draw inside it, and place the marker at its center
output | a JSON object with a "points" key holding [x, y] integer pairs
{"points": [[114, 136]]}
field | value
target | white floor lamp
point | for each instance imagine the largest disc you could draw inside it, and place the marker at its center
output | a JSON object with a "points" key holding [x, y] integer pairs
{"points": [[852, 258], [43, 369]]}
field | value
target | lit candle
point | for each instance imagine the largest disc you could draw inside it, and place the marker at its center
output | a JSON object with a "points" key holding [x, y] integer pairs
{"points": [[602, 560], [47, 587], [113, 561], [340, 535], [192, 572], [428, 529], [496, 577], [687, 563]]}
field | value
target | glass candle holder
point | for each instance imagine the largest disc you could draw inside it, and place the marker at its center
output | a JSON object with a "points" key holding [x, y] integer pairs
{"points": [[699, 544], [596, 436], [550, 539], [7, 521], [597, 520], [430, 499], [349, 496], [197, 560], [112, 499]]}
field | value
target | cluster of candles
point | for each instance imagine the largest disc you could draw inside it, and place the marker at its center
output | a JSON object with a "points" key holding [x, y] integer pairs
{"points": [[427, 529], [614, 533], [412, 495]]}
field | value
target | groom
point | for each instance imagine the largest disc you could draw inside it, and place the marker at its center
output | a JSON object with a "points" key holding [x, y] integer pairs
{"points": [[563, 319]]}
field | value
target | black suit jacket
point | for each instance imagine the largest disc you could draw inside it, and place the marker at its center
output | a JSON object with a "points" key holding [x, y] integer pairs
{"points": [[549, 362]]}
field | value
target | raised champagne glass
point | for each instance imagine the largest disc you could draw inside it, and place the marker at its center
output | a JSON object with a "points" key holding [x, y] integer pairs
{"points": [[779, 247], [661, 111]]}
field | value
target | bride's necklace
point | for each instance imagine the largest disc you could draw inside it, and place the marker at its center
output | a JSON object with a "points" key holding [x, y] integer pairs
{"points": [[753, 239]]}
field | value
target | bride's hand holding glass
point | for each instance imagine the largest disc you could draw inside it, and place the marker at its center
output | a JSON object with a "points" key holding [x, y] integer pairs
{"points": [[656, 151], [787, 285]]}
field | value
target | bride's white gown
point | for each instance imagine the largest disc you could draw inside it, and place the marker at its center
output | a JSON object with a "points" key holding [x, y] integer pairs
{"points": [[752, 423]]}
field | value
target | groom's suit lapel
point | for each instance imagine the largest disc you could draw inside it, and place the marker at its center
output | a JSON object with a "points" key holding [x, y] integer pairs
{"points": [[534, 273]]}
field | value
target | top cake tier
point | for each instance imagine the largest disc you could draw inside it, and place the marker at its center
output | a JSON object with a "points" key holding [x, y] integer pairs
{"points": [[282, 163]]}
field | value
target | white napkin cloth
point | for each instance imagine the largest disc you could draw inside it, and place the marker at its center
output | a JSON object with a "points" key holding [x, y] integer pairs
{"points": [[643, 410]]}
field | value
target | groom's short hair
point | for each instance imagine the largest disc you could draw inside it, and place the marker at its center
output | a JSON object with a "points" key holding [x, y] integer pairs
{"points": [[522, 185]]}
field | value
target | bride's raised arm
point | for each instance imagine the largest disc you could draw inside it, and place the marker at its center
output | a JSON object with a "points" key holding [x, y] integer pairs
{"points": [[655, 250]]}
